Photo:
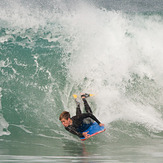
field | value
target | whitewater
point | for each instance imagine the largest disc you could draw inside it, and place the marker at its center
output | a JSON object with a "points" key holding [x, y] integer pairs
{"points": [[50, 50]]}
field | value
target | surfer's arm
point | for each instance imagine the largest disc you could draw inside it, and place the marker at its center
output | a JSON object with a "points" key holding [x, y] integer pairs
{"points": [[72, 130]]}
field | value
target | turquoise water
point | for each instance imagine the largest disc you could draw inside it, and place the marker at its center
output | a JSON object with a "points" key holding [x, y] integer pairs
{"points": [[50, 50]]}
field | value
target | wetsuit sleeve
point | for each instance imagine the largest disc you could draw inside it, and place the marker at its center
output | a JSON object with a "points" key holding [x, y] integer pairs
{"points": [[86, 115], [72, 130]]}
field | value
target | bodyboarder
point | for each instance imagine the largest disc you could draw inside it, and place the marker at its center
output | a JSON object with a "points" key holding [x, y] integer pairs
{"points": [[81, 121]]}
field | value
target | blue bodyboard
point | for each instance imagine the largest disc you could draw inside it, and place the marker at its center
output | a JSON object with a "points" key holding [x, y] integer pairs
{"points": [[94, 129]]}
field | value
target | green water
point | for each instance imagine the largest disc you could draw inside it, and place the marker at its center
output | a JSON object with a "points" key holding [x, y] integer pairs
{"points": [[50, 50]]}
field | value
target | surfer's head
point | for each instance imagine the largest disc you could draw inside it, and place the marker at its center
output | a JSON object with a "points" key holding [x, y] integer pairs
{"points": [[65, 118]]}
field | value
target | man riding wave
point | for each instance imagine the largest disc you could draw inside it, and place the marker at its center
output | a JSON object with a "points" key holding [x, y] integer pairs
{"points": [[81, 121]]}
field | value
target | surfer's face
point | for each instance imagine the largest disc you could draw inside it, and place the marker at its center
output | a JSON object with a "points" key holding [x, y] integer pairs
{"points": [[65, 122]]}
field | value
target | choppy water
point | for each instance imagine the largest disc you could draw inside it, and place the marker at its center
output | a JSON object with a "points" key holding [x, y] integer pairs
{"points": [[50, 50]]}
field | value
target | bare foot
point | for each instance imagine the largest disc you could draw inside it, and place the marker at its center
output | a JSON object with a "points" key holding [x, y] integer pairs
{"points": [[82, 95]]}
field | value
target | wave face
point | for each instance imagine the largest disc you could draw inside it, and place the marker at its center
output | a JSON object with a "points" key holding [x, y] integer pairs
{"points": [[50, 50]]}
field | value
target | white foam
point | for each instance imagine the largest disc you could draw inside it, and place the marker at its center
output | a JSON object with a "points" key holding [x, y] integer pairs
{"points": [[106, 48]]}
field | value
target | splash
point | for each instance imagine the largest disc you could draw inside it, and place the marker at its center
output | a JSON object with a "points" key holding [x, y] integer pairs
{"points": [[50, 52], [119, 59]]}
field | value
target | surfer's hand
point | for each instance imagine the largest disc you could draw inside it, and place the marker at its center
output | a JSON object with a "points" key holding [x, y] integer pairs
{"points": [[86, 135], [101, 124]]}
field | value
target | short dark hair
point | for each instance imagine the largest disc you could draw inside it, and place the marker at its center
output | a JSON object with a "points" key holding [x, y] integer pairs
{"points": [[65, 115]]}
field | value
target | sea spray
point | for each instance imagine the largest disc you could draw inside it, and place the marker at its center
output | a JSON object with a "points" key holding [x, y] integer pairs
{"points": [[117, 51]]}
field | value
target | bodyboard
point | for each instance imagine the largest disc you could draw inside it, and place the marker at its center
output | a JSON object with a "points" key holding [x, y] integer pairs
{"points": [[94, 129]]}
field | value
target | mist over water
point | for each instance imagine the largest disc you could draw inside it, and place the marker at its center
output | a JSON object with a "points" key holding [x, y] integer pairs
{"points": [[50, 50]]}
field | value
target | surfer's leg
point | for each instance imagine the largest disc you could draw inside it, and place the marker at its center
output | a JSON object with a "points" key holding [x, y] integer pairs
{"points": [[78, 110], [87, 107], [88, 121]]}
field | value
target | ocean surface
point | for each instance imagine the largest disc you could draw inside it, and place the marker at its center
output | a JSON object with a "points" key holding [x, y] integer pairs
{"points": [[51, 49]]}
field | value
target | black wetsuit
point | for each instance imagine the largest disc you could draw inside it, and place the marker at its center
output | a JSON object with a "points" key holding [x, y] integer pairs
{"points": [[78, 124]]}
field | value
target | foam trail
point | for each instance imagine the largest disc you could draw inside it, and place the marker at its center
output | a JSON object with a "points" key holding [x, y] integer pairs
{"points": [[3, 124]]}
